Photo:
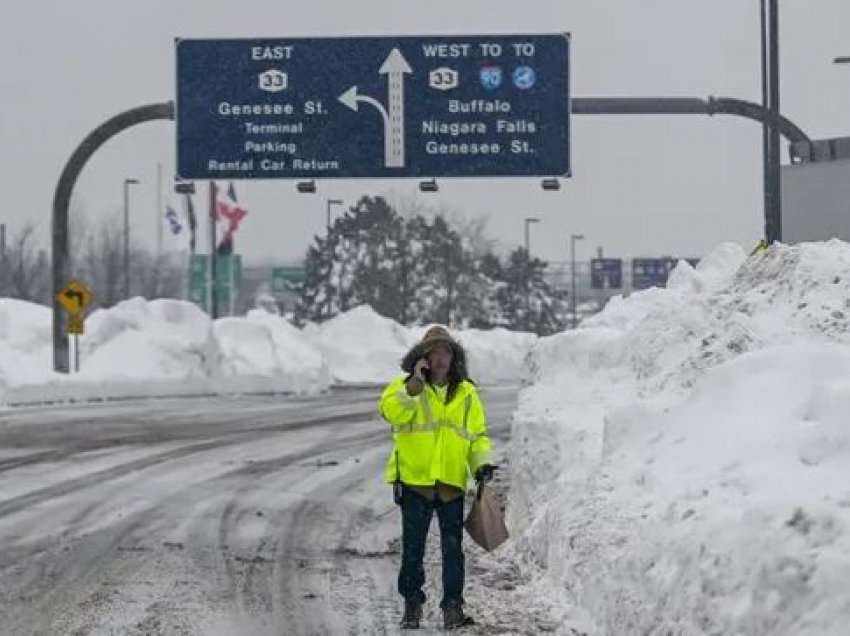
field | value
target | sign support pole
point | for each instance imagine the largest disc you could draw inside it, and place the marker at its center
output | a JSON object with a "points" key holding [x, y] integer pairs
{"points": [[232, 284], [213, 292]]}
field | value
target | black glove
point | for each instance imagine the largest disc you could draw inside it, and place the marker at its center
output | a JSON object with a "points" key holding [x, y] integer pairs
{"points": [[485, 473]]}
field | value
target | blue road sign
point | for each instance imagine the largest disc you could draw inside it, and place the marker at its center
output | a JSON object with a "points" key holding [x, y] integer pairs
{"points": [[606, 273], [651, 272], [434, 106]]}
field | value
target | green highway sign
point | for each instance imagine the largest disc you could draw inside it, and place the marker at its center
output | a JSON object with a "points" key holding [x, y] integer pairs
{"points": [[285, 278]]}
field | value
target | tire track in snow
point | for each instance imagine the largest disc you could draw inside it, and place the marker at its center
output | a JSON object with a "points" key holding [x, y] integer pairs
{"points": [[33, 498]]}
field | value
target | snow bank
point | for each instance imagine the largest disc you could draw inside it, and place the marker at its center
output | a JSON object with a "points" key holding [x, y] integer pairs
{"points": [[170, 347], [680, 464], [497, 355], [264, 352], [162, 347], [25, 337], [361, 346], [138, 340]]}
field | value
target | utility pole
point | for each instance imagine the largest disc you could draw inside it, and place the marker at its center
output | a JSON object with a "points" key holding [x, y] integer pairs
{"points": [[127, 184], [573, 239]]}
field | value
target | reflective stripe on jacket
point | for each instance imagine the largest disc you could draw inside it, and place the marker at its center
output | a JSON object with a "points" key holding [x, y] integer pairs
{"points": [[434, 441]]}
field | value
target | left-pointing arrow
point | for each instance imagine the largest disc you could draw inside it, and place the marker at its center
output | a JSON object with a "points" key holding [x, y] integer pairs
{"points": [[75, 296], [350, 98]]}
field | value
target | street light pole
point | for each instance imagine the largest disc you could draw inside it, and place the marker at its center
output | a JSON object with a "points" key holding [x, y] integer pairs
{"points": [[330, 203], [573, 239], [528, 221], [127, 184]]}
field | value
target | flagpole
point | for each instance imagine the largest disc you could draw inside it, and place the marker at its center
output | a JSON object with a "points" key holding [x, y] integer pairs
{"points": [[159, 211], [213, 294], [159, 223]]}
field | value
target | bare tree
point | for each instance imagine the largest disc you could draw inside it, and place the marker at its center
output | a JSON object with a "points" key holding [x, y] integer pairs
{"points": [[24, 268], [95, 252], [101, 265], [157, 277]]}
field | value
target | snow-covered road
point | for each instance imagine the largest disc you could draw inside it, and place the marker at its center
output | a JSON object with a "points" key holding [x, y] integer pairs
{"points": [[258, 515]]}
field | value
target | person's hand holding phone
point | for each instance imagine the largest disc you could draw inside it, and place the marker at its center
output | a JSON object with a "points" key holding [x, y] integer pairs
{"points": [[420, 368], [416, 384]]}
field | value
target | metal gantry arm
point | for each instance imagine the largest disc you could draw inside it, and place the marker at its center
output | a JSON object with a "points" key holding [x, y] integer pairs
{"points": [[686, 106], [62, 200]]}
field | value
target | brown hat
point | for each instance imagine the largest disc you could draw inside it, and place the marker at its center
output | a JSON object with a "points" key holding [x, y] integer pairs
{"points": [[435, 335]]}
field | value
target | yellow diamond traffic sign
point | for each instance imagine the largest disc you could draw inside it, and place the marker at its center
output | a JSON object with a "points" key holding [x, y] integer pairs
{"points": [[75, 298]]}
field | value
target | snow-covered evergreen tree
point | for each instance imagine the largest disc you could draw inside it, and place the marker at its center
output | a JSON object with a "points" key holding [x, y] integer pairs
{"points": [[526, 300], [418, 270]]}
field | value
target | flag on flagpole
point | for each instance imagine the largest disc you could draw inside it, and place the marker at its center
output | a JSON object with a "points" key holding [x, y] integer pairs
{"points": [[173, 219], [230, 214]]}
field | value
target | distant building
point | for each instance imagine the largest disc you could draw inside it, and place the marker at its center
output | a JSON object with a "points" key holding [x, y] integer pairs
{"points": [[816, 191]]}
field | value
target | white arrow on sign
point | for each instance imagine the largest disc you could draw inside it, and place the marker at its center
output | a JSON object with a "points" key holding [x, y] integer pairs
{"points": [[396, 67], [350, 98]]}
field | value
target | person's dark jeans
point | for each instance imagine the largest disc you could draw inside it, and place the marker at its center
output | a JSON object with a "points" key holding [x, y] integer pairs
{"points": [[416, 513]]}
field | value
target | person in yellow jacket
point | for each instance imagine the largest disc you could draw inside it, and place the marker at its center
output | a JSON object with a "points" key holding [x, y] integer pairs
{"points": [[439, 430]]}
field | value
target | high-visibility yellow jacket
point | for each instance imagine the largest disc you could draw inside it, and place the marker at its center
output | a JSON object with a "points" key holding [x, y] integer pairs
{"points": [[434, 441]]}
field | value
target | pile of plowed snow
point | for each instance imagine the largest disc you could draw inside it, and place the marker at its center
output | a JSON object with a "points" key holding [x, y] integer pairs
{"points": [[681, 463], [142, 348], [364, 347]]}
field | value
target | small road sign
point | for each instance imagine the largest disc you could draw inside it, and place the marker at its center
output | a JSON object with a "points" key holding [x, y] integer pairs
{"points": [[75, 298], [651, 272], [285, 278], [606, 273], [228, 283], [375, 107], [76, 325]]}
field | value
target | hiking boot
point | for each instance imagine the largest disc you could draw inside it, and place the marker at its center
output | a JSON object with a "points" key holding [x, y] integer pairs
{"points": [[453, 616], [412, 614]]}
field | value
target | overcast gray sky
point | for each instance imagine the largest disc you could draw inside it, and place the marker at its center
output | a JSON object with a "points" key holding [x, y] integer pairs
{"points": [[641, 186]]}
